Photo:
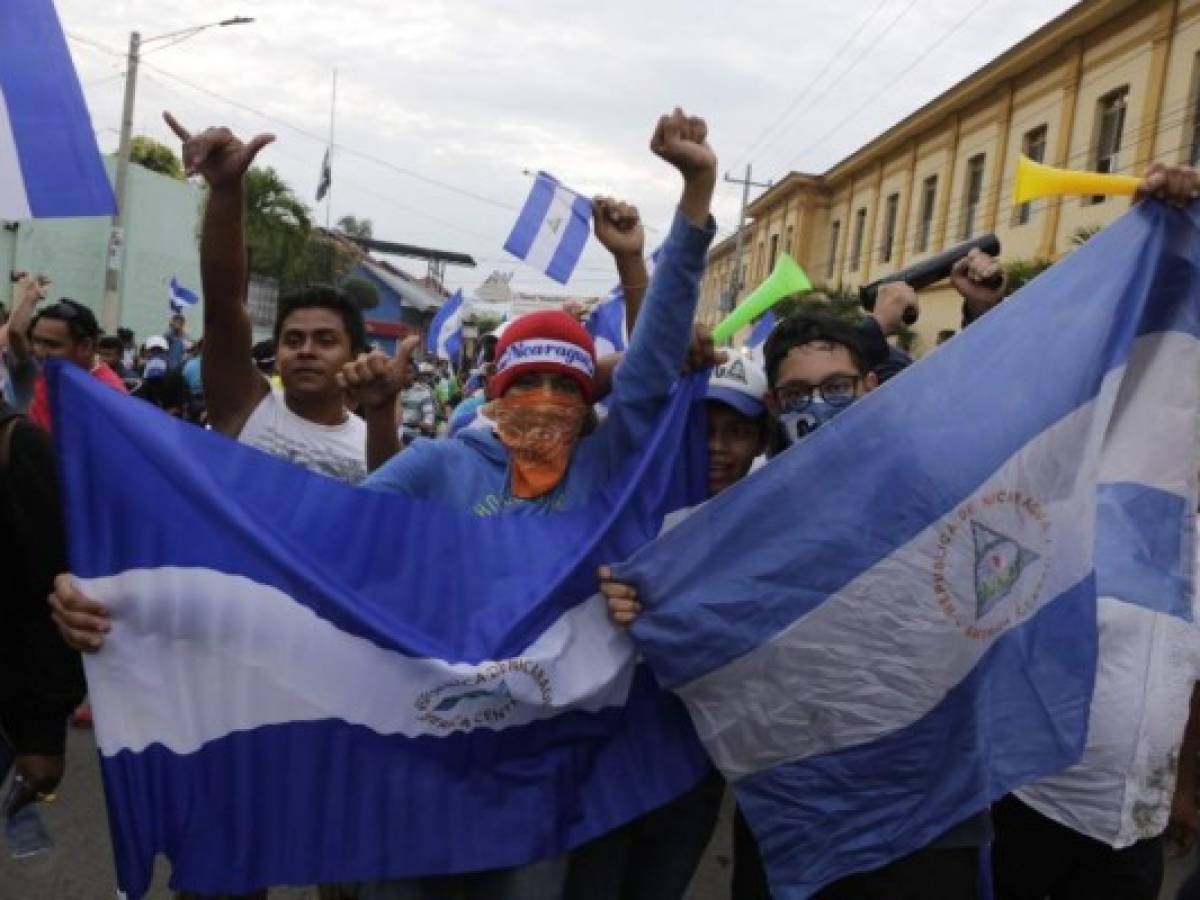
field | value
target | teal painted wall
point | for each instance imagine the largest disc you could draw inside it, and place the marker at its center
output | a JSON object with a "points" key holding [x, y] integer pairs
{"points": [[161, 231]]}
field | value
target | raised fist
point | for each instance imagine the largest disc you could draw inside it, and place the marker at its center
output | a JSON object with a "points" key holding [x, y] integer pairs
{"points": [[1177, 185], [618, 227], [216, 154], [980, 280], [682, 140], [893, 300]]}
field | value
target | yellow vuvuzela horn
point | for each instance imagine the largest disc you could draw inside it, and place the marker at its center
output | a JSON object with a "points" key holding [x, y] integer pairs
{"points": [[1035, 180]]}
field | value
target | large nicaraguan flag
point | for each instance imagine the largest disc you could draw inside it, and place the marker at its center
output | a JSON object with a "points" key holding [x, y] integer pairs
{"points": [[49, 162], [896, 622], [552, 229], [308, 682]]}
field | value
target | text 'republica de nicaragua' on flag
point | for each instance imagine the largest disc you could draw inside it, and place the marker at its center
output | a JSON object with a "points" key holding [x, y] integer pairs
{"points": [[552, 228], [50, 165], [895, 624], [307, 682]]}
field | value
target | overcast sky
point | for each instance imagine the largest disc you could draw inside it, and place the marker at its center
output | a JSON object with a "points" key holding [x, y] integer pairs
{"points": [[453, 100]]}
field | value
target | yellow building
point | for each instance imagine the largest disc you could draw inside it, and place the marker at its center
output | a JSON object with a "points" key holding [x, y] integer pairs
{"points": [[1110, 85]]}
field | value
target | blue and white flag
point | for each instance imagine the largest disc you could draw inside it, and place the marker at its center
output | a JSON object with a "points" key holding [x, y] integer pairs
{"points": [[320, 683], [445, 332], [607, 326], [50, 165], [179, 296], [762, 330], [607, 323], [552, 229], [895, 622]]}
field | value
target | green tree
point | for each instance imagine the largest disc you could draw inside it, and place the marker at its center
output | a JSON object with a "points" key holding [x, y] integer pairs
{"points": [[156, 157], [1022, 271], [356, 227], [278, 227], [364, 294]]}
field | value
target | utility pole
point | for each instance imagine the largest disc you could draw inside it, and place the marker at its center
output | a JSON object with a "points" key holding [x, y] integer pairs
{"points": [[735, 281], [110, 314]]}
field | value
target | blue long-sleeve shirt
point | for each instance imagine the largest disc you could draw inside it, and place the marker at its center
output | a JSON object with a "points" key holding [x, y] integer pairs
{"points": [[471, 472]]}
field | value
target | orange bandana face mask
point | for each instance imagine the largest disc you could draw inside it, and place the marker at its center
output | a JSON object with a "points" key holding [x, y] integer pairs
{"points": [[539, 429]]}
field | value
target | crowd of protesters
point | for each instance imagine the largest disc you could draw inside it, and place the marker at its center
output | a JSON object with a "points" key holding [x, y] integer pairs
{"points": [[516, 431]]}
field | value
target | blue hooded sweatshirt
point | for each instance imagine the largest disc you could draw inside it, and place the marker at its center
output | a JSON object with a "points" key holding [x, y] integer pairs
{"points": [[471, 472]]}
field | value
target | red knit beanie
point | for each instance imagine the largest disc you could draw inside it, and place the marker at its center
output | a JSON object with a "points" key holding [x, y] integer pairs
{"points": [[546, 341]]}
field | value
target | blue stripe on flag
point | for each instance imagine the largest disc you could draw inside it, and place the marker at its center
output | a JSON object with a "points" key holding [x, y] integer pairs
{"points": [[574, 238], [529, 222], [921, 437], [272, 833], [1143, 554], [63, 172], [925, 775]]}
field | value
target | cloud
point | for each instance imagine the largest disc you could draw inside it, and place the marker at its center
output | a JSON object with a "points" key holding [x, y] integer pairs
{"points": [[471, 93]]}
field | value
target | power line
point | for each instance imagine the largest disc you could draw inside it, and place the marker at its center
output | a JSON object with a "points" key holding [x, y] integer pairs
{"points": [[810, 86], [436, 182], [887, 86]]}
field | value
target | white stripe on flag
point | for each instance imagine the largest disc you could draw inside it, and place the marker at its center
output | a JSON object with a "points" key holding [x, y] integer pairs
{"points": [[899, 671], [552, 230], [14, 202], [248, 655]]}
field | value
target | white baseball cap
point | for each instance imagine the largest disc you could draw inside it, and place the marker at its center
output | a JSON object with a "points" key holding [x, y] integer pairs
{"points": [[739, 382], [157, 342]]}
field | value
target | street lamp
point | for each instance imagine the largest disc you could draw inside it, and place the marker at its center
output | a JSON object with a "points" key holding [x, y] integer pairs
{"points": [[110, 315]]}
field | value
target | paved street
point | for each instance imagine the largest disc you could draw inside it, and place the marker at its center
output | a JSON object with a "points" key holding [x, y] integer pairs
{"points": [[80, 865]]}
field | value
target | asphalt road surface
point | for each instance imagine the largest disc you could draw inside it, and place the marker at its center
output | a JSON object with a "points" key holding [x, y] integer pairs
{"points": [[79, 867]]}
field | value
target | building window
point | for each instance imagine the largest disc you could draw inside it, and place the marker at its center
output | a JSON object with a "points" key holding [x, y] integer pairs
{"points": [[973, 195], [835, 231], [1033, 145], [774, 252], [1194, 150], [860, 225], [1110, 123], [925, 227], [789, 247], [891, 211]]}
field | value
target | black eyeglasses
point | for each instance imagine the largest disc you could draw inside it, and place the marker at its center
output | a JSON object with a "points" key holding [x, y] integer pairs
{"points": [[837, 390]]}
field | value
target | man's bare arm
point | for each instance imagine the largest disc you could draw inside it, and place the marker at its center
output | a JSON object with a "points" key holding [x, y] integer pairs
{"points": [[233, 387]]}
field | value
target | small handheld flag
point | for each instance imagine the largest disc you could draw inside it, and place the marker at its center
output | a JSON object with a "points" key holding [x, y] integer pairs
{"points": [[552, 229], [180, 296], [50, 165], [445, 332], [606, 324]]}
